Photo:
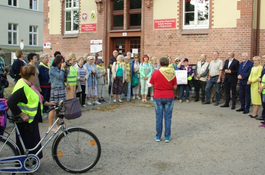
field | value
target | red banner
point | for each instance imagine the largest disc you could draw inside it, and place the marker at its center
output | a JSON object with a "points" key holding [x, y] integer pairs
{"points": [[164, 23], [88, 27]]}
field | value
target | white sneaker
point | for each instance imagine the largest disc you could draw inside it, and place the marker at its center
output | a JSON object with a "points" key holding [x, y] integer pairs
{"points": [[84, 106], [151, 99], [133, 97], [120, 101], [96, 102], [138, 97], [89, 103], [114, 101]]}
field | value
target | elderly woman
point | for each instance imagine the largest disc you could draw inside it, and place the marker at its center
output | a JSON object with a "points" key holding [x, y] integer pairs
{"points": [[254, 86], [129, 78], [71, 77], [184, 65], [101, 79], [82, 76], [56, 74], [92, 80], [18, 63], [146, 70], [135, 70], [155, 67], [164, 81], [26, 102], [119, 76], [32, 58], [44, 78]]}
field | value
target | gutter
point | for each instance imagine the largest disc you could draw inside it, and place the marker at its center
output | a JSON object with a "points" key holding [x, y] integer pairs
{"points": [[258, 28]]}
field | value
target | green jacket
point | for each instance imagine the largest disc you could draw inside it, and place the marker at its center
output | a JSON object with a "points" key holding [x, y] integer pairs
{"points": [[141, 70]]}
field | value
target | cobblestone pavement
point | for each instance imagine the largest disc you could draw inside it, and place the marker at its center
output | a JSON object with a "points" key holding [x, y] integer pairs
{"points": [[205, 139]]}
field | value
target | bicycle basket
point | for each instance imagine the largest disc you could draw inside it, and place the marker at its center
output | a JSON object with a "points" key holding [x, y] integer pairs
{"points": [[72, 108]]}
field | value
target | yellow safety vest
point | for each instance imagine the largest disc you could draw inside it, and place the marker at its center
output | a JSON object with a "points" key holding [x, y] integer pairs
{"points": [[72, 76], [31, 108], [263, 83]]}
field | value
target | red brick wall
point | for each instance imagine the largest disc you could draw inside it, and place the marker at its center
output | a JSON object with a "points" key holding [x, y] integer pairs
{"points": [[262, 42]]}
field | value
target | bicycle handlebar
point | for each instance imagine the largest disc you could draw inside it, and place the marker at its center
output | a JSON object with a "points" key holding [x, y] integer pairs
{"points": [[57, 106]]}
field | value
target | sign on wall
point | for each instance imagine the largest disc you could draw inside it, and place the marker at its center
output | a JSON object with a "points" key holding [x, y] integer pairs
{"points": [[47, 44], [95, 46], [164, 23], [88, 27]]}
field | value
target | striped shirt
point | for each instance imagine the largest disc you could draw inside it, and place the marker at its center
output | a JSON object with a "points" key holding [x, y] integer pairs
{"points": [[82, 74]]}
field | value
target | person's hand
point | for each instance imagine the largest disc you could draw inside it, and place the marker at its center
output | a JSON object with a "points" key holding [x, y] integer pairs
{"points": [[249, 82], [219, 80], [4, 73], [52, 103], [198, 76], [259, 79], [114, 78], [239, 77], [228, 71], [63, 65], [135, 70], [192, 75], [208, 78], [25, 117], [93, 71], [145, 78], [68, 87]]}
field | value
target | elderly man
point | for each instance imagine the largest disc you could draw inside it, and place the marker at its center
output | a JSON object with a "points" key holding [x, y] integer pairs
{"points": [[231, 69], [214, 78], [200, 77], [114, 58], [244, 88]]}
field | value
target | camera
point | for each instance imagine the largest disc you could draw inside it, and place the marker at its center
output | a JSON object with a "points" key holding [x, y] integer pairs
{"points": [[67, 63]]}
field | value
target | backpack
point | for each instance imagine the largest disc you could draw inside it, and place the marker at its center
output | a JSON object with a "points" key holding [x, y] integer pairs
{"points": [[3, 115], [11, 71], [135, 80]]}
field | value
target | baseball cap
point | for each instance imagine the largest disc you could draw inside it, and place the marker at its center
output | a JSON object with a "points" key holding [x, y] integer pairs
{"points": [[186, 59], [100, 61]]}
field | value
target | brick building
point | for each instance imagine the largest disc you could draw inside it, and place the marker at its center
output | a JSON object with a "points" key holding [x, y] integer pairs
{"points": [[179, 28]]}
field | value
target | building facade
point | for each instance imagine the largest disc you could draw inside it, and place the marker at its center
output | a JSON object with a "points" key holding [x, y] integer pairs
{"points": [[21, 20], [177, 28]]}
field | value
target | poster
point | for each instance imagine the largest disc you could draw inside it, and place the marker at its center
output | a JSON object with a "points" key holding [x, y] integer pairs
{"points": [[181, 76], [95, 46], [88, 27], [165, 24]]}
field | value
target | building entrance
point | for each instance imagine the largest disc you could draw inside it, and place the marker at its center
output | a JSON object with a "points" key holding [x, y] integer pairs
{"points": [[124, 45]]}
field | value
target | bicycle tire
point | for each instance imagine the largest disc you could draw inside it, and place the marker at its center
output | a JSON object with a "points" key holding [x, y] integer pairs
{"points": [[8, 150], [86, 142]]}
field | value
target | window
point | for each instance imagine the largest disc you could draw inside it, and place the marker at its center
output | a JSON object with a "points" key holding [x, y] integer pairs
{"points": [[12, 2], [71, 16], [33, 35], [195, 14], [12, 33], [132, 14], [33, 4]]}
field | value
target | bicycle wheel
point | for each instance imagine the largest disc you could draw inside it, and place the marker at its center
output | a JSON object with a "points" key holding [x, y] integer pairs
{"points": [[8, 150], [83, 156]]}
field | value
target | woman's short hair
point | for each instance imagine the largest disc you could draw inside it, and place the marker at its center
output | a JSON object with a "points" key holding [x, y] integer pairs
{"points": [[19, 53], [120, 56], [127, 58], [27, 71], [57, 60], [145, 56], [2, 54], [71, 55], [164, 61], [204, 56], [31, 55], [42, 56], [79, 58], [56, 53], [85, 56], [256, 58]]}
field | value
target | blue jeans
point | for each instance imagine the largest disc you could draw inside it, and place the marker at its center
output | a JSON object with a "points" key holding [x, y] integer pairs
{"points": [[181, 91], [209, 85], [128, 92], [163, 107]]}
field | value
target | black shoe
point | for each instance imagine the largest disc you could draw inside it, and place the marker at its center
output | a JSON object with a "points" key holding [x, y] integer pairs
{"points": [[206, 103], [224, 105], [259, 118], [240, 109], [245, 112], [196, 100], [233, 107], [216, 104]]}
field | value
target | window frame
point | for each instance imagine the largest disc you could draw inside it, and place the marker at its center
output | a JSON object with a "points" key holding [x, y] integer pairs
{"points": [[34, 5], [72, 10], [12, 3], [32, 33], [196, 25], [12, 31]]}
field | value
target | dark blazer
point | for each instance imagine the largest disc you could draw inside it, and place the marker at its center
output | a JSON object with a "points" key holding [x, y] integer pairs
{"points": [[244, 71], [232, 77]]}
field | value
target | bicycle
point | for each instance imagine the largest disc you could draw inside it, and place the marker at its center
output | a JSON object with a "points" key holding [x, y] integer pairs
{"points": [[75, 149]]}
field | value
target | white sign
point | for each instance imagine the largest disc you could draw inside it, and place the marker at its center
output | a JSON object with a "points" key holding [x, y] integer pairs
{"points": [[47, 44], [124, 34], [134, 51], [181, 76], [95, 46]]}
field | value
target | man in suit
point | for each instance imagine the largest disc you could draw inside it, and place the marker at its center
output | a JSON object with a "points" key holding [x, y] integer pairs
{"points": [[244, 88], [231, 69]]}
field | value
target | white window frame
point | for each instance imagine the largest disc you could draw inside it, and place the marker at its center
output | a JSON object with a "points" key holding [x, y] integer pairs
{"points": [[32, 33], [12, 31], [196, 21], [71, 9], [34, 4], [12, 3]]}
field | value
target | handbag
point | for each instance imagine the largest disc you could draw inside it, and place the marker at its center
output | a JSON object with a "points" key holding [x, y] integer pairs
{"points": [[135, 80], [72, 108], [3, 81]]}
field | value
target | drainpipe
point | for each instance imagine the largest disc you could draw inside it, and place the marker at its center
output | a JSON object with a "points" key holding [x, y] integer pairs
{"points": [[258, 28]]}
